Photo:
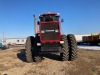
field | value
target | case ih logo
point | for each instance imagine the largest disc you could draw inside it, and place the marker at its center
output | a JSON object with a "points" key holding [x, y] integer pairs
{"points": [[49, 30]]}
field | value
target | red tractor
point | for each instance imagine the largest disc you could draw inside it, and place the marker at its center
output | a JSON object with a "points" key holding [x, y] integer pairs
{"points": [[49, 39]]}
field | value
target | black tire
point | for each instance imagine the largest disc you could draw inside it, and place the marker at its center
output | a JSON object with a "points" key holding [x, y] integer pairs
{"points": [[36, 56], [65, 51], [28, 51], [31, 48], [72, 47]]}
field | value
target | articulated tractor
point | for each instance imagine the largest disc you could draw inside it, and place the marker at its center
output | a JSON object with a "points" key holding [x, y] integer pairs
{"points": [[49, 39]]}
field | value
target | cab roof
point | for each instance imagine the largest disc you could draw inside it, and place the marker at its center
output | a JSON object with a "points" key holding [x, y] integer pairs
{"points": [[49, 13]]}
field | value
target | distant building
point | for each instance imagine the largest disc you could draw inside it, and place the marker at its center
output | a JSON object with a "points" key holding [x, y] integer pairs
{"points": [[79, 37], [15, 41], [1, 43]]}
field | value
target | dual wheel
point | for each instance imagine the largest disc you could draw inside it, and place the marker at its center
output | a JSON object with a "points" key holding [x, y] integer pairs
{"points": [[31, 50], [69, 48]]}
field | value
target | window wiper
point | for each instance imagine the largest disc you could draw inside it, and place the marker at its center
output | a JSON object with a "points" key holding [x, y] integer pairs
{"points": [[51, 17]]}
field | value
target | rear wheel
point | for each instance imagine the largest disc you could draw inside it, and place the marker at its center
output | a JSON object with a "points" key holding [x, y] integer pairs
{"points": [[72, 46], [65, 51]]}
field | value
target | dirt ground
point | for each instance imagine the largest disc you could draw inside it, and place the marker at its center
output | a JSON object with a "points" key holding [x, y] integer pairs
{"points": [[12, 62]]}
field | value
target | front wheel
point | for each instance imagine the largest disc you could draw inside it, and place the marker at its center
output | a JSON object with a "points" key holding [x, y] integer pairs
{"points": [[28, 51], [31, 50], [72, 46], [65, 51]]}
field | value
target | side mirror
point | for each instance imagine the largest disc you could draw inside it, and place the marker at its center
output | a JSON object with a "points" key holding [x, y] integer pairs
{"points": [[62, 20]]}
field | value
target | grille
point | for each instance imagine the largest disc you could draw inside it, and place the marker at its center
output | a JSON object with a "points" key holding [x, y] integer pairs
{"points": [[50, 48], [49, 31]]}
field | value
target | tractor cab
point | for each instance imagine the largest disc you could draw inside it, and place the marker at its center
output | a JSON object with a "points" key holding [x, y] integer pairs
{"points": [[49, 16], [49, 26]]}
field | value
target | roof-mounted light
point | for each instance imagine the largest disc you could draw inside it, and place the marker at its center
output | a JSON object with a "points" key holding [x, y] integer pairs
{"points": [[49, 12], [58, 14]]}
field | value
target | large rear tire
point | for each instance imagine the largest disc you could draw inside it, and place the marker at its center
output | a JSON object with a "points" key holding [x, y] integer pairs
{"points": [[65, 51], [28, 51], [72, 47]]}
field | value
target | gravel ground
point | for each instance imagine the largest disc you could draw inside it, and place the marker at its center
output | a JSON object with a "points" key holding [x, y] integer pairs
{"points": [[12, 62]]}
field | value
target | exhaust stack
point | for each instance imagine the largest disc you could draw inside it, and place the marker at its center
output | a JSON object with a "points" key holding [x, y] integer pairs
{"points": [[35, 25]]}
